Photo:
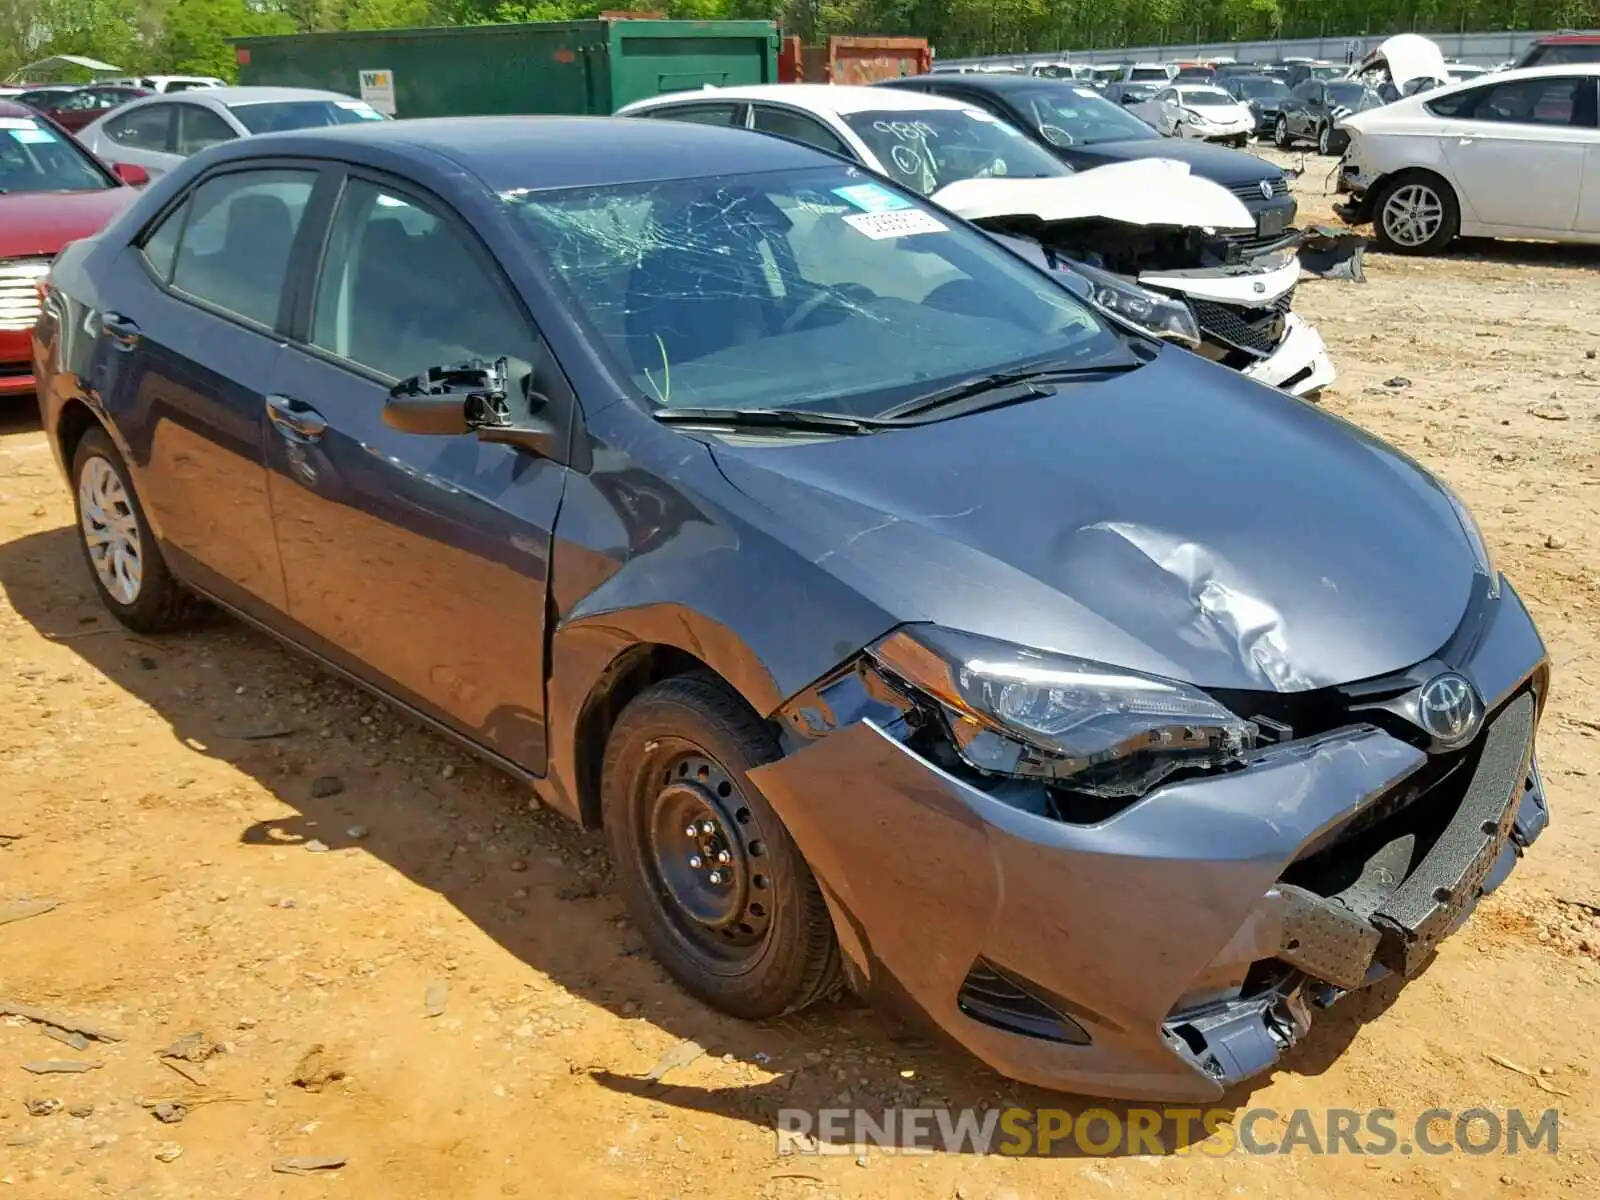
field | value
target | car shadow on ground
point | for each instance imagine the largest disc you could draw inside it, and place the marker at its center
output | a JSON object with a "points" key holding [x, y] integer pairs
{"points": [[364, 778], [18, 414]]}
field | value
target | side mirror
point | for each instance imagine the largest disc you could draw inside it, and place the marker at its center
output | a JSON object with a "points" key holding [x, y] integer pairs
{"points": [[469, 397], [130, 174]]}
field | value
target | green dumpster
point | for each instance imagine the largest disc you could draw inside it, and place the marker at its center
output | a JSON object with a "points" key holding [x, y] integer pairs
{"points": [[567, 67]]}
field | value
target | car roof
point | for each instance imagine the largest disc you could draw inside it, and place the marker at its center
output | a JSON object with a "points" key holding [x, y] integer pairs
{"points": [[231, 96], [1190, 89], [815, 97], [997, 83], [538, 153], [1569, 39], [1540, 72]]}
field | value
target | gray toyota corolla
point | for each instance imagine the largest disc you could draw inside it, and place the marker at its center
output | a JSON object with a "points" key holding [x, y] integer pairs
{"points": [[906, 621]]}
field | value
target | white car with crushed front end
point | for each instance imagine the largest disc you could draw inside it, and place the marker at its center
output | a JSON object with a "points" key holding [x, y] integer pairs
{"points": [[1198, 111], [1149, 223], [1512, 155]]}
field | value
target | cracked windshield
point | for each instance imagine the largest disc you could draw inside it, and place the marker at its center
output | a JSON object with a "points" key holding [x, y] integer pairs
{"points": [[818, 288]]}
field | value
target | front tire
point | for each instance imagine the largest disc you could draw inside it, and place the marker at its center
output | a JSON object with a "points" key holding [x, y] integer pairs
{"points": [[124, 562], [1415, 213], [1280, 133], [1325, 140], [717, 887]]}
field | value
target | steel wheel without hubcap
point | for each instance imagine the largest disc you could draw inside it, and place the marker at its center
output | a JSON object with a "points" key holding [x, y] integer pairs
{"points": [[1413, 215], [110, 530], [705, 849]]}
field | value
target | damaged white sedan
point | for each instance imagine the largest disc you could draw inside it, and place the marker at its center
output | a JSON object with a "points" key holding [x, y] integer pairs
{"points": [[1152, 234]]}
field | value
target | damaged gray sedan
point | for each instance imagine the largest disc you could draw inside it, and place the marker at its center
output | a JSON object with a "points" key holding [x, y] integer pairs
{"points": [[907, 623]]}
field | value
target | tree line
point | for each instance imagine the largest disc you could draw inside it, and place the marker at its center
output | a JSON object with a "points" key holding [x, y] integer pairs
{"points": [[190, 36]]}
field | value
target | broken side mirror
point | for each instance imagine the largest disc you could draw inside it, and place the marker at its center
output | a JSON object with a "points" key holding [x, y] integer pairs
{"points": [[470, 397]]}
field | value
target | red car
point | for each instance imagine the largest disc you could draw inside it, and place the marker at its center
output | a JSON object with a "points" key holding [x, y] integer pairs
{"points": [[73, 108], [52, 191], [1561, 49]]}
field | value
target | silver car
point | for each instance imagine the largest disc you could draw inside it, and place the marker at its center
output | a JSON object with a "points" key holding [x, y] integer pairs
{"points": [[159, 132]]}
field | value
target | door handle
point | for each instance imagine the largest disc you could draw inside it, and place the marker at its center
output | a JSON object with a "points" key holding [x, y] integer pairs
{"points": [[124, 334], [297, 422]]}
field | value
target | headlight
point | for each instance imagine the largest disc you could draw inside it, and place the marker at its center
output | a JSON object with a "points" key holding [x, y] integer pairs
{"points": [[1092, 728], [1145, 311], [1480, 546]]}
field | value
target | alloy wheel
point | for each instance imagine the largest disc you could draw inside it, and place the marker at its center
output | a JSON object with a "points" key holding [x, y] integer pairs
{"points": [[1280, 133], [1412, 215], [110, 530]]}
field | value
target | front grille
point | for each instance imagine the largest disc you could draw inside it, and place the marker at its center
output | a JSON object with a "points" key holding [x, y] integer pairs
{"points": [[19, 292], [1251, 192], [1256, 329]]}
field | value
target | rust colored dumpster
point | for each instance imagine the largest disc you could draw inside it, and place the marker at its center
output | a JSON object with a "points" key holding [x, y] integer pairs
{"points": [[853, 59]]}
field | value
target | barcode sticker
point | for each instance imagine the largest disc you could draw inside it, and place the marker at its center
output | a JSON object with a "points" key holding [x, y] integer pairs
{"points": [[900, 223]]}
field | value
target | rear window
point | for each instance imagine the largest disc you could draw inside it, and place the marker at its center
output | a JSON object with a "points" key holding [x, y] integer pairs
{"points": [[1558, 53], [280, 116], [1148, 75]]}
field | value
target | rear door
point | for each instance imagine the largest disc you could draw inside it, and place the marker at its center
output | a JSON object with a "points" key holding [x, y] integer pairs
{"points": [[140, 134], [185, 360], [1589, 200], [419, 563], [1520, 158]]}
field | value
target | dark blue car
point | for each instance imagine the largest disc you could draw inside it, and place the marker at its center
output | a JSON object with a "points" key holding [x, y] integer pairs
{"points": [[905, 622]]}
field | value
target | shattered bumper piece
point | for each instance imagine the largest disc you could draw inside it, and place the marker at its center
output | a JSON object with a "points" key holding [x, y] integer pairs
{"points": [[1300, 365], [1177, 947]]}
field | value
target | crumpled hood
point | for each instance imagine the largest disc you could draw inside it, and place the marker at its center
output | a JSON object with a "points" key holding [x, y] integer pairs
{"points": [[1410, 56], [1147, 191], [40, 223], [1177, 519]]}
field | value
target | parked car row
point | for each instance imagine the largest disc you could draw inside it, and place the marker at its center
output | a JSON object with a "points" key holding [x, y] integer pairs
{"points": [[895, 610]]}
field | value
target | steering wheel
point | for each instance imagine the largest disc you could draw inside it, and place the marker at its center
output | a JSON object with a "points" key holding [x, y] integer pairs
{"points": [[812, 303], [1056, 135]]}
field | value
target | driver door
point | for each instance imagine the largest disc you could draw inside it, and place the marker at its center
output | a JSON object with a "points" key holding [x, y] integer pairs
{"points": [[419, 564]]}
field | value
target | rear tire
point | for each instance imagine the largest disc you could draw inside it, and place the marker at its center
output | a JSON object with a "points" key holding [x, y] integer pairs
{"points": [[118, 546], [731, 910], [1415, 213]]}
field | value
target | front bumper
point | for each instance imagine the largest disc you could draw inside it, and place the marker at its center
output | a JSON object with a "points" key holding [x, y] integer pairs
{"points": [[1169, 951], [1300, 365], [16, 362]]}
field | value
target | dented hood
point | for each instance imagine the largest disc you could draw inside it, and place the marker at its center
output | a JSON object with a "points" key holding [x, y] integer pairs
{"points": [[1178, 519], [1147, 191]]}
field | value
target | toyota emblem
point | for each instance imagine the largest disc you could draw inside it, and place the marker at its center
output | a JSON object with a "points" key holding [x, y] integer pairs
{"points": [[1266, 189], [1448, 708]]}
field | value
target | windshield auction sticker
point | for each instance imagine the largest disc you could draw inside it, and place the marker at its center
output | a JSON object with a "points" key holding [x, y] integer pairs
{"points": [[872, 198], [904, 223]]}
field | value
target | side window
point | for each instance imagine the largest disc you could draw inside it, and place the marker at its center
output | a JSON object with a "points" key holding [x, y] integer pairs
{"points": [[798, 128], [199, 127], [699, 114], [234, 250], [1548, 101], [160, 245], [1306, 90], [403, 289], [142, 128]]}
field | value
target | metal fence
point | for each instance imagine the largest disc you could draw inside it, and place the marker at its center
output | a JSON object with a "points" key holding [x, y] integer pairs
{"points": [[1485, 49]]}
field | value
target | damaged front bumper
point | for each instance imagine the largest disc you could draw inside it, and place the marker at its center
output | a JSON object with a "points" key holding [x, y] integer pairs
{"points": [[1300, 364], [1183, 944]]}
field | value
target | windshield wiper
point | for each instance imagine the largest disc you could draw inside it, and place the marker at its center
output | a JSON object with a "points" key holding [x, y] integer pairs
{"points": [[799, 419], [1027, 382]]}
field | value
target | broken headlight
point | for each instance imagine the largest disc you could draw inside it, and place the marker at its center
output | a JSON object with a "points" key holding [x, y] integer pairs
{"points": [[1146, 312], [1086, 726]]}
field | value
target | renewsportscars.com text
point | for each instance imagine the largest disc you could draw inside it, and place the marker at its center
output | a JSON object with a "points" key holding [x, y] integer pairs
{"points": [[1214, 1132]]}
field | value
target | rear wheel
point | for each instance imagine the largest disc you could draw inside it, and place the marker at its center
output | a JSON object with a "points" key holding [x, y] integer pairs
{"points": [[1415, 213], [717, 887], [128, 570]]}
